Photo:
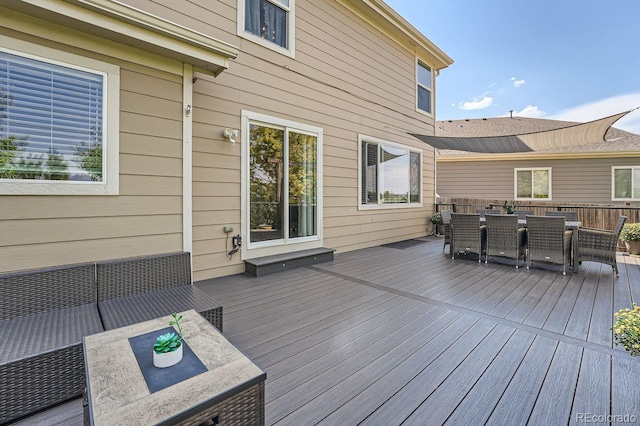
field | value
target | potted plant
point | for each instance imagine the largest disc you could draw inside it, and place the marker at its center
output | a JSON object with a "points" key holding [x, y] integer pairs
{"points": [[509, 208], [167, 350], [630, 234], [627, 329], [436, 220]]}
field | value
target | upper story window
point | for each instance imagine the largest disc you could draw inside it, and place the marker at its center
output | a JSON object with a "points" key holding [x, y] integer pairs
{"points": [[533, 183], [626, 183], [389, 174], [424, 93], [269, 23], [55, 136]]}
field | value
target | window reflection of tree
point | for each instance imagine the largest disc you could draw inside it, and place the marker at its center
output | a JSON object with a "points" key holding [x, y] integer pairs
{"points": [[267, 191]]}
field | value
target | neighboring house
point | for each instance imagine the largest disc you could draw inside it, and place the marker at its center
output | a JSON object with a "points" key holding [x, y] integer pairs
{"points": [[606, 172], [118, 122]]}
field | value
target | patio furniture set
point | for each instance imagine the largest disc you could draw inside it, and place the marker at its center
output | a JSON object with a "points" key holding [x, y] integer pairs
{"points": [[45, 313], [556, 238]]}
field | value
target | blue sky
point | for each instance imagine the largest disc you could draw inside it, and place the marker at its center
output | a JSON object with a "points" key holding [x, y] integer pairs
{"points": [[575, 60]]}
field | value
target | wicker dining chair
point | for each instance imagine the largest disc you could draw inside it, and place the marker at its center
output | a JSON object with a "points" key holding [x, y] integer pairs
{"points": [[446, 227], [467, 235], [571, 216], [548, 241], [504, 238], [522, 214], [599, 245], [484, 212]]}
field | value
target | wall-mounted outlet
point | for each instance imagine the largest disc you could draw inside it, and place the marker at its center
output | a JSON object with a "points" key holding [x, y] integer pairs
{"points": [[227, 229]]}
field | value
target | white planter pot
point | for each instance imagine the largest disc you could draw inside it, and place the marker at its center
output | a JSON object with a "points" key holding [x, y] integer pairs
{"points": [[633, 247], [167, 359]]}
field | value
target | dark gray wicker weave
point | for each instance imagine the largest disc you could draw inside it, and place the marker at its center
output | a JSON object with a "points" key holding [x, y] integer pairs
{"points": [[467, 235], [548, 241], [138, 289], [599, 245], [446, 227], [522, 214], [44, 314], [484, 212], [245, 408], [504, 238], [571, 216]]}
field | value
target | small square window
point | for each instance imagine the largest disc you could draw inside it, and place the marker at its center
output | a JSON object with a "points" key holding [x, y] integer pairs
{"points": [[269, 23], [533, 184], [626, 183]]}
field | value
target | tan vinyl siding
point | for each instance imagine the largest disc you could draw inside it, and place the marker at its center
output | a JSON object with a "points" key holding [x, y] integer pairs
{"points": [[41, 231], [347, 78], [574, 180]]}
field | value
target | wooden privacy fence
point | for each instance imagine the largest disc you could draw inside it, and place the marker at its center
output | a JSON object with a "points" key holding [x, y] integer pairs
{"points": [[592, 216]]}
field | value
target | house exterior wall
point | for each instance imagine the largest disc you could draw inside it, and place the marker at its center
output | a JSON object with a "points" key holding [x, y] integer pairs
{"points": [[348, 78], [146, 216], [574, 180], [342, 64]]}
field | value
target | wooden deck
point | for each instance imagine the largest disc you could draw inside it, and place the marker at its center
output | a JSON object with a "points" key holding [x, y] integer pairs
{"points": [[388, 336]]}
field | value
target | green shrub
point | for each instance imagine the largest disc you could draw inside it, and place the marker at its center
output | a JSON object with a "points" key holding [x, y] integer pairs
{"points": [[627, 329], [436, 218], [630, 232]]}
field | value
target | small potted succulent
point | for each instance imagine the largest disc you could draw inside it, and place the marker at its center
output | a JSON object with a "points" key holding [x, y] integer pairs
{"points": [[630, 234], [627, 329], [167, 350]]}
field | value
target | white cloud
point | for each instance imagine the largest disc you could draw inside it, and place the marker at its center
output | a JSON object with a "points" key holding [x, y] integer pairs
{"points": [[516, 82], [604, 108], [528, 111], [483, 103]]}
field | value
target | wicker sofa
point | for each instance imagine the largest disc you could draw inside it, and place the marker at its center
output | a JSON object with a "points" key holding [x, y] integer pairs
{"points": [[137, 289], [44, 314]]}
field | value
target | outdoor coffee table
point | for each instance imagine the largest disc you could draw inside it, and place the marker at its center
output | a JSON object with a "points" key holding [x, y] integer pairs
{"points": [[215, 380]]}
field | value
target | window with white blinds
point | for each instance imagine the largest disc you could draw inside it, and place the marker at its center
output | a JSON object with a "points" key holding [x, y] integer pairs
{"points": [[51, 121], [53, 125]]}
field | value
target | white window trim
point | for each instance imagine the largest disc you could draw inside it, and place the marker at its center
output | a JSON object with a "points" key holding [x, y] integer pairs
{"points": [[365, 138], [431, 90], [291, 29], [110, 148], [531, 169], [264, 248], [613, 183]]}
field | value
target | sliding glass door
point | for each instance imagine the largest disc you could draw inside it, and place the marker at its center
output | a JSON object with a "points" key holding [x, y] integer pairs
{"points": [[283, 184]]}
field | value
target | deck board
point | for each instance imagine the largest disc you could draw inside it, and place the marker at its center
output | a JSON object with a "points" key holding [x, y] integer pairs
{"points": [[593, 390], [386, 336], [552, 407], [518, 399]]}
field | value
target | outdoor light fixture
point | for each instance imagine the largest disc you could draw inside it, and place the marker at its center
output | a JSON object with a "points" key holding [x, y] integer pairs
{"points": [[231, 134]]}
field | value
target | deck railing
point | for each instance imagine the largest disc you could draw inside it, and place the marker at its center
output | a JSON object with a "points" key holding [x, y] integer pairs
{"points": [[591, 216]]}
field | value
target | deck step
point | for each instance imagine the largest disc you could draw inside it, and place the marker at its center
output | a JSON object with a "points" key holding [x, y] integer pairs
{"points": [[283, 262]]}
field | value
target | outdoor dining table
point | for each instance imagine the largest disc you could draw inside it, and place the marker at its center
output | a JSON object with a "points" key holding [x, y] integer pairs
{"points": [[573, 225]]}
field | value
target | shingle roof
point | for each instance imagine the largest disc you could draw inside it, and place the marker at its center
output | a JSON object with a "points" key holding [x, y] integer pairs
{"points": [[616, 139]]}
